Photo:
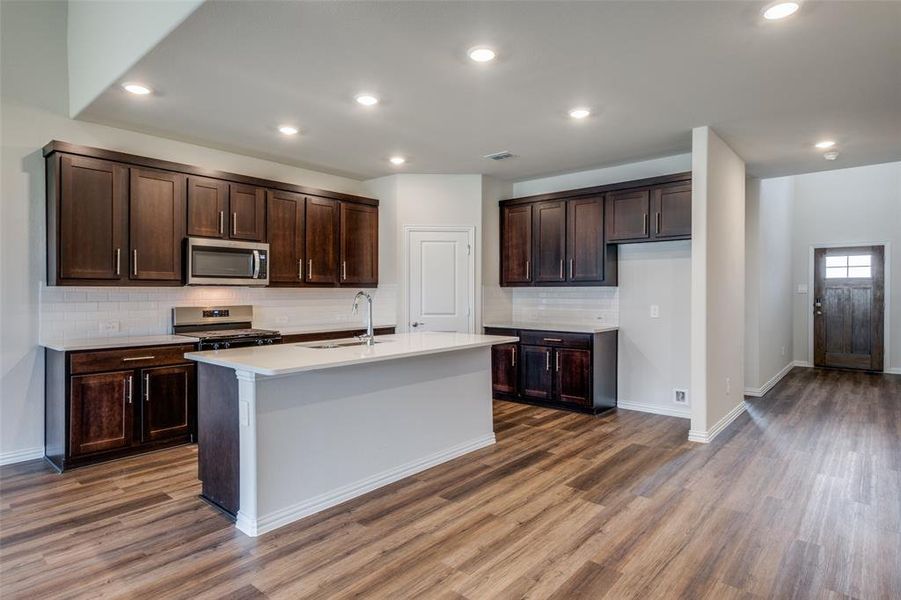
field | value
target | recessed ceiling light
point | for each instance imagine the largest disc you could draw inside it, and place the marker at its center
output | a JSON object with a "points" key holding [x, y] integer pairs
{"points": [[831, 155], [288, 129], [825, 144], [780, 10], [482, 54], [579, 113], [136, 88], [367, 99], [397, 160]]}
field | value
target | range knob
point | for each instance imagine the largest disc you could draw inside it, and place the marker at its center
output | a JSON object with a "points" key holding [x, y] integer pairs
{"points": [[216, 346], [260, 342], [225, 345], [269, 341]]}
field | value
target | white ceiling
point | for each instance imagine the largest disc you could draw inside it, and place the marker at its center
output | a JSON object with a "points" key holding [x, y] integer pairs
{"points": [[650, 71]]}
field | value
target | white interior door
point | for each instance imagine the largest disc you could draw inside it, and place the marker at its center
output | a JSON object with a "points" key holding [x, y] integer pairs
{"points": [[440, 280]]}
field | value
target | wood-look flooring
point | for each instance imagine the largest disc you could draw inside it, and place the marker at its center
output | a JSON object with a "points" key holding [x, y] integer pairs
{"points": [[799, 498]]}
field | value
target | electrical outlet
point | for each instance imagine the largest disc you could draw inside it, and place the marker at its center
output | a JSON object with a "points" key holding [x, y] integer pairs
{"points": [[728, 385], [802, 288], [680, 396], [109, 326], [655, 311]]}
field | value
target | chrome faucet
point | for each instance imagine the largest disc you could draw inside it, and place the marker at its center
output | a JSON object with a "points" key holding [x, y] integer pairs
{"points": [[369, 337]]}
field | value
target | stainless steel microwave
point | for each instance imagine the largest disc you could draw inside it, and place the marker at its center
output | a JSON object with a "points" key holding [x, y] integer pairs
{"points": [[226, 262]]}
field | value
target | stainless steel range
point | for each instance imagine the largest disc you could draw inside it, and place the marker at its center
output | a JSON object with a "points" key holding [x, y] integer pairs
{"points": [[221, 327]]}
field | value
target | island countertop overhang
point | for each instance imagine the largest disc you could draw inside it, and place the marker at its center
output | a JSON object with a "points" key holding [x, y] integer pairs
{"points": [[285, 359]]}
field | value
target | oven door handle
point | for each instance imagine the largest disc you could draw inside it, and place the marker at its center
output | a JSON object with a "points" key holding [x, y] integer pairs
{"points": [[256, 264]]}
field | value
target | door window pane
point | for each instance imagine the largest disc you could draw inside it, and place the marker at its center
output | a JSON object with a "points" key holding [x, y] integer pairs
{"points": [[836, 272], [859, 272], [861, 260], [836, 261]]}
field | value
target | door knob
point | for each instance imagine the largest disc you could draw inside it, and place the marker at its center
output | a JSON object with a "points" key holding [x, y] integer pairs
{"points": [[416, 324]]}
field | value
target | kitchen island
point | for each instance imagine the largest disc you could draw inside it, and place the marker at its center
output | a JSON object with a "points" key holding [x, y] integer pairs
{"points": [[289, 430]]}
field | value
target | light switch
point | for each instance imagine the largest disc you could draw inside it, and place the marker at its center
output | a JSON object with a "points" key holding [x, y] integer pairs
{"points": [[655, 311]]}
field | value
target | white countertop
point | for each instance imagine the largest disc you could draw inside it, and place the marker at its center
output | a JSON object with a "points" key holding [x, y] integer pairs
{"points": [[295, 358], [118, 342], [298, 329], [568, 328]]}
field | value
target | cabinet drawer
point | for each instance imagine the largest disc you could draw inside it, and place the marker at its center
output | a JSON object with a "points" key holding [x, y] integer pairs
{"points": [[127, 358], [553, 338]]}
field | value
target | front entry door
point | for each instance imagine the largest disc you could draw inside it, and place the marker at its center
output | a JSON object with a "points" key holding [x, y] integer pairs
{"points": [[849, 301], [440, 281]]}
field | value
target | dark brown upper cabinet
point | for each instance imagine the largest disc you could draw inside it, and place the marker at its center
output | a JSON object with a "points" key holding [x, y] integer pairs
{"points": [[628, 215], [549, 252], [672, 211], [516, 244], [87, 214], [359, 244], [207, 207], [247, 205], [321, 241], [588, 259], [285, 215], [156, 217]]}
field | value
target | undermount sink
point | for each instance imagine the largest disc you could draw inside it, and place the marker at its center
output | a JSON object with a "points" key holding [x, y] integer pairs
{"points": [[331, 345]]}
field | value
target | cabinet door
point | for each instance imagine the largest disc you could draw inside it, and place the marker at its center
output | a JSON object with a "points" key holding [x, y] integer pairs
{"points": [[504, 368], [285, 216], [321, 243], [207, 205], [359, 241], [672, 211], [100, 412], [537, 380], [247, 205], [572, 370], [167, 402], [516, 244], [549, 220], [627, 215], [585, 240], [156, 216], [92, 219]]}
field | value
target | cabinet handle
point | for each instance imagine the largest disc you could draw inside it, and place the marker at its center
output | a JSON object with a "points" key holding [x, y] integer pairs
{"points": [[131, 381], [134, 265], [133, 358], [645, 223], [146, 387], [657, 225], [513, 361], [557, 361], [553, 339], [528, 271], [300, 268], [547, 360], [561, 268], [570, 268], [118, 260], [343, 269], [234, 223], [221, 222], [310, 268]]}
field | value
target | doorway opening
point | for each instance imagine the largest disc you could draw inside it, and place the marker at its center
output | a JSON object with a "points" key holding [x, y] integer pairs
{"points": [[849, 307]]}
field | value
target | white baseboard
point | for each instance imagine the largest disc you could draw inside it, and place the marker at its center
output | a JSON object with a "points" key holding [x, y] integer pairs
{"points": [[705, 437], [684, 413], [336, 496], [894, 370], [17, 456], [803, 363], [762, 390]]}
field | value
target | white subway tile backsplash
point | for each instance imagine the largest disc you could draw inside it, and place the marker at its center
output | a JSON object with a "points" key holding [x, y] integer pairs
{"points": [[578, 306]]}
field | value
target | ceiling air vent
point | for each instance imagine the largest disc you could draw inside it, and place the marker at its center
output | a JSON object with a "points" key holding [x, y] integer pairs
{"points": [[500, 155]]}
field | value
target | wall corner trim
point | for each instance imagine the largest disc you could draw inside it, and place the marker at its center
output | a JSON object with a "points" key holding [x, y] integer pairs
{"points": [[705, 437], [17, 456], [766, 387]]}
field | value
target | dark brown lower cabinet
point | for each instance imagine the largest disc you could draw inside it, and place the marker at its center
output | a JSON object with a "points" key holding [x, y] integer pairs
{"points": [[575, 371], [105, 404]]}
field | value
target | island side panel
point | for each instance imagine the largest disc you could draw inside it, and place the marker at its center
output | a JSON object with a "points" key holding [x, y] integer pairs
{"points": [[323, 437], [218, 436]]}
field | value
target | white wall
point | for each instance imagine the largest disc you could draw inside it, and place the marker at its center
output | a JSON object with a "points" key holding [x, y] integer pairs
{"points": [[847, 206], [651, 363], [497, 301], [768, 325], [718, 284], [107, 37], [33, 111], [424, 200]]}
